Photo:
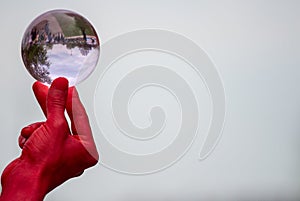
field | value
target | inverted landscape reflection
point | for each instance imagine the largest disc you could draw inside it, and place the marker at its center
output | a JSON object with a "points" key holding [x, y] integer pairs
{"points": [[60, 43]]}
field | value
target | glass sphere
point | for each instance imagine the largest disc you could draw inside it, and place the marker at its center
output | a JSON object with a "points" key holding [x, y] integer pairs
{"points": [[60, 43]]}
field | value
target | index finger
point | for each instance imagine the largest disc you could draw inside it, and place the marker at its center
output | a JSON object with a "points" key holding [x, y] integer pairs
{"points": [[40, 91]]}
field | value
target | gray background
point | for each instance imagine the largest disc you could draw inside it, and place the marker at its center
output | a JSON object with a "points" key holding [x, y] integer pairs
{"points": [[255, 46]]}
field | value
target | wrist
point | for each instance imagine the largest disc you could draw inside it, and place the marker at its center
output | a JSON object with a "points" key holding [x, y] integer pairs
{"points": [[24, 182]]}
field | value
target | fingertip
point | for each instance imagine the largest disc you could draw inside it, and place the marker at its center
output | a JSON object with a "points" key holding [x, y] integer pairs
{"points": [[60, 83], [72, 93], [28, 130], [25, 130], [35, 85], [38, 85], [39, 89], [21, 141]]}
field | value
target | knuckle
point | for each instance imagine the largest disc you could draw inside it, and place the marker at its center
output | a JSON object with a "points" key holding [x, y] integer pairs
{"points": [[56, 123]]}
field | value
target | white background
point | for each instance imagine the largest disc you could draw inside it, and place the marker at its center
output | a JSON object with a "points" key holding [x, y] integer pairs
{"points": [[255, 46]]}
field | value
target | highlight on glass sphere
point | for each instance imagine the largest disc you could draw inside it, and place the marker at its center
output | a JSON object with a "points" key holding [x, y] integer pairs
{"points": [[60, 43]]}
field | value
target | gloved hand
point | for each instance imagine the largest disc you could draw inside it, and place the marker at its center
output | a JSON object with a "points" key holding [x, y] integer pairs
{"points": [[51, 152]]}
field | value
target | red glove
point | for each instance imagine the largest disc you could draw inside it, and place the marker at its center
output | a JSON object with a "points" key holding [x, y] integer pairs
{"points": [[51, 152]]}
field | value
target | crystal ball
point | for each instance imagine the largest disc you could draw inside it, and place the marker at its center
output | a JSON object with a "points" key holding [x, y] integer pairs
{"points": [[60, 43]]}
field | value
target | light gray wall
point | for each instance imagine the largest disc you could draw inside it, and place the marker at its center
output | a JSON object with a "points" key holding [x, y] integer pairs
{"points": [[255, 46]]}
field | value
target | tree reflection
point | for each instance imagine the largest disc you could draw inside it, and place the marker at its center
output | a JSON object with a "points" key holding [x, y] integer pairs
{"points": [[84, 48], [36, 61]]}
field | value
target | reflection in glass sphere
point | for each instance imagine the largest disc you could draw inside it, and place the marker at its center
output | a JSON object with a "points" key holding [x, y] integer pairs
{"points": [[60, 43]]}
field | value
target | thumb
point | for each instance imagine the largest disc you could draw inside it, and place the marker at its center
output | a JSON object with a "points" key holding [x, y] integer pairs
{"points": [[56, 99]]}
